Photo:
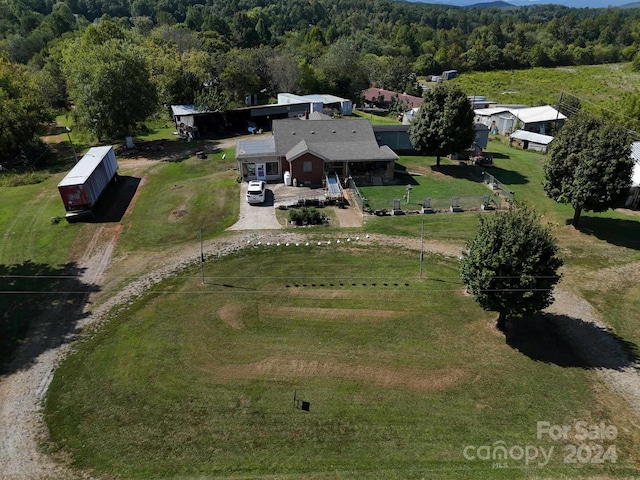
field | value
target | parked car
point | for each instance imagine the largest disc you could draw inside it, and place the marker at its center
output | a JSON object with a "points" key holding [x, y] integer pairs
{"points": [[256, 191]]}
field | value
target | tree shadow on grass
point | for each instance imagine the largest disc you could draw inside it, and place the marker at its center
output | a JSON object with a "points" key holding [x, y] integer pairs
{"points": [[620, 232], [570, 342], [41, 307], [405, 178], [508, 177], [498, 155], [462, 171]]}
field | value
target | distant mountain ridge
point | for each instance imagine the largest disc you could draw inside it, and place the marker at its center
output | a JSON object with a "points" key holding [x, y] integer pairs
{"points": [[496, 4], [521, 3]]}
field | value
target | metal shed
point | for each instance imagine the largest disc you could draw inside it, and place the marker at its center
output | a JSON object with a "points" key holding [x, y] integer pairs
{"points": [[531, 140]]}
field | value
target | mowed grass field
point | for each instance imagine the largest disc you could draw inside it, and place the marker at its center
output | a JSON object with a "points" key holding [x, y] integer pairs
{"points": [[402, 373], [195, 381]]}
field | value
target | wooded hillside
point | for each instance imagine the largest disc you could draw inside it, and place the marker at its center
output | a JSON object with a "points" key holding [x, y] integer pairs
{"points": [[216, 53]]}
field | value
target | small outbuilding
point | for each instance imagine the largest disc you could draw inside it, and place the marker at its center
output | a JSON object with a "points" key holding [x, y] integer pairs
{"points": [[530, 141], [504, 120], [191, 121]]}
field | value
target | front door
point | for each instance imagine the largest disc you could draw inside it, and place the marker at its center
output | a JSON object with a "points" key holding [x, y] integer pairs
{"points": [[261, 171]]}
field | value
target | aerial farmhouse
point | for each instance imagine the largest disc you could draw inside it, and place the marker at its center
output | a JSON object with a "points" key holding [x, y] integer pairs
{"points": [[311, 150]]}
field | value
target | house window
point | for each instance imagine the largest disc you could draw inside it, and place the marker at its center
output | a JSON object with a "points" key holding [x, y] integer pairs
{"points": [[307, 166], [251, 169], [272, 168]]}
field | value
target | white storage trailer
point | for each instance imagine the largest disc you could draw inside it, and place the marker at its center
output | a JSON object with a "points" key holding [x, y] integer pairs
{"points": [[85, 182]]}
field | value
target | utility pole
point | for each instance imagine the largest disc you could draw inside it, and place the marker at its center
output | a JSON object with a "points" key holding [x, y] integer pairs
{"points": [[201, 256], [421, 249], [75, 155]]}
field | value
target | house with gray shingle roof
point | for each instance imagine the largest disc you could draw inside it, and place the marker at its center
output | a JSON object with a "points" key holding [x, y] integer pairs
{"points": [[310, 150]]}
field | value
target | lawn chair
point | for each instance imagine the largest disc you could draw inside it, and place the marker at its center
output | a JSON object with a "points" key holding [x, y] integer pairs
{"points": [[300, 404]]}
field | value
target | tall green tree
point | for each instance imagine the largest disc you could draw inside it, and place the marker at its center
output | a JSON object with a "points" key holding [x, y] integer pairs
{"points": [[590, 166], [510, 266], [444, 122], [342, 65], [110, 85], [240, 76], [23, 114]]}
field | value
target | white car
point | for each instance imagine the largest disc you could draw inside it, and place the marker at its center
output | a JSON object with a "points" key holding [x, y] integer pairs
{"points": [[256, 191]]}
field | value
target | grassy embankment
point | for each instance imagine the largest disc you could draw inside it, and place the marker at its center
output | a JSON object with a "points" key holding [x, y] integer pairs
{"points": [[36, 253], [597, 86]]}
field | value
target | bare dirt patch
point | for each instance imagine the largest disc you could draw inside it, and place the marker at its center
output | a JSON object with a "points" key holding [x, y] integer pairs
{"points": [[133, 165], [449, 249], [387, 377], [336, 314], [177, 214], [231, 314], [626, 211], [348, 217]]}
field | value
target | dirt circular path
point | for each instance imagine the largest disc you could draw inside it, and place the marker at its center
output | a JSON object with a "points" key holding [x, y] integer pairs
{"points": [[22, 391]]}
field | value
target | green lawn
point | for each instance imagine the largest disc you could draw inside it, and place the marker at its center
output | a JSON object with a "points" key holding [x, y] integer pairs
{"points": [[596, 85], [427, 180], [34, 253], [376, 119], [25, 223], [182, 198], [197, 381]]}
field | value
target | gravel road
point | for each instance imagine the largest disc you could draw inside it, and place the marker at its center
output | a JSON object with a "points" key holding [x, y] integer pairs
{"points": [[22, 390]]}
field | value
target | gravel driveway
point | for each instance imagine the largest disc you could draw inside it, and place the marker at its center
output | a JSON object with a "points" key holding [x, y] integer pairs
{"points": [[263, 217], [256, 217]]}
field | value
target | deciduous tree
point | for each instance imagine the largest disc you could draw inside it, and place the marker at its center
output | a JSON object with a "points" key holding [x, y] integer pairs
{"points": [[23, 115], [110, 85], [590, 166], [510, 265], [444, 122]]}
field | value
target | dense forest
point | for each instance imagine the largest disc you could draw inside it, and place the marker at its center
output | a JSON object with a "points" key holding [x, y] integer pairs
{"points": [[118, 61]]}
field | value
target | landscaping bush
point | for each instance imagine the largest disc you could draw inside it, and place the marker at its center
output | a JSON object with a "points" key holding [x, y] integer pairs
{"points": [[305, 216]]}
